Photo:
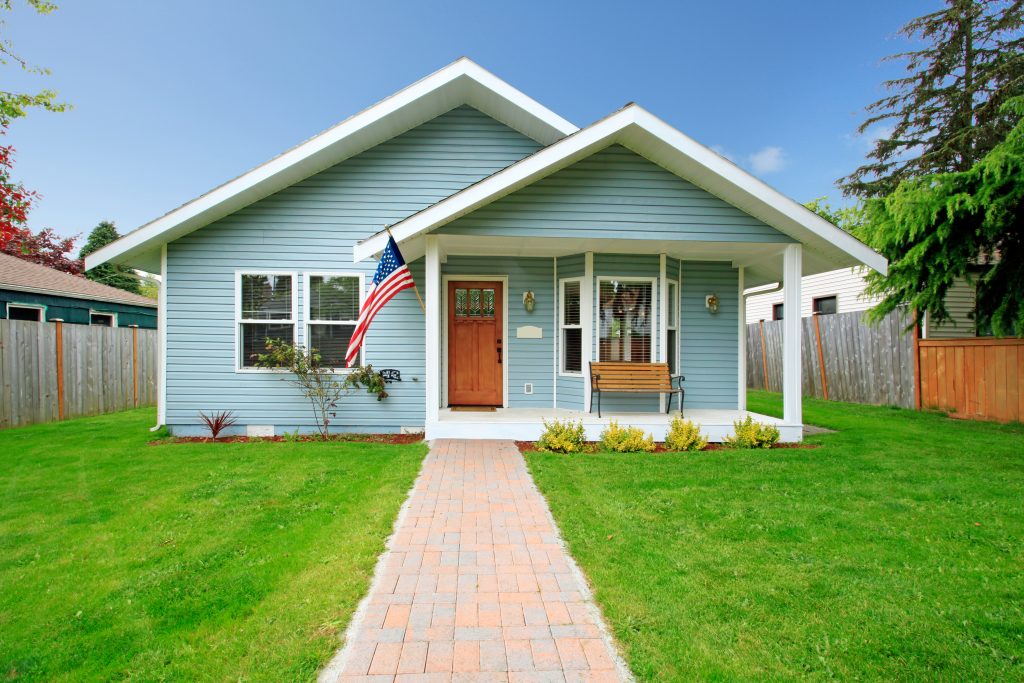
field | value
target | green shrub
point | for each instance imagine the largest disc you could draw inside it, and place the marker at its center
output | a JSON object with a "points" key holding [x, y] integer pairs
{"points": [[626, 439], [684, 435], [750, 434], [562, 437]]}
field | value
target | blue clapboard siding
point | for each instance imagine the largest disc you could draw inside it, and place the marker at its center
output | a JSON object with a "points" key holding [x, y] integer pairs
{"points": [[613, 194], [570, 387], [529, 360], [710, 341], [312, 226]]}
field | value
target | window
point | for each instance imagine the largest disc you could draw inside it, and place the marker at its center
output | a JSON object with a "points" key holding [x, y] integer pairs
{"points": [[777, 312], [265, 305], [332, 310], [571, 324], [826, 305], [626, 322], [672, 323], [102, 319], [30, 313]]}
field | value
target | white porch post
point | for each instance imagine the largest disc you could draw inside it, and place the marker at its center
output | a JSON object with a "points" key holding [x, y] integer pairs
{"points": [[792, 404], [161, 324], [432, 289], [662, 321], [587, 320], [741, 398]]}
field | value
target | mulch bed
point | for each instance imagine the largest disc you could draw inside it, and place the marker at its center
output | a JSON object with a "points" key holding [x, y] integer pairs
{"points": [[531, 446], [399, 439]]}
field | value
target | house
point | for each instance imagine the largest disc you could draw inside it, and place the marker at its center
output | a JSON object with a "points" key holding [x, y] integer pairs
{"points": [[29, 291], [842, 291], [538, 247]]}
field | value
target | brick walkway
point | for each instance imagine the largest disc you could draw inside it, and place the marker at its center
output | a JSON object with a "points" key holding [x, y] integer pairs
{"points": [[475, 584]]}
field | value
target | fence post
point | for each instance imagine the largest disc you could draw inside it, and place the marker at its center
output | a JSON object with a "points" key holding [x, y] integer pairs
{"points": [[917, 361], [764, 357], [821, 357], [59, 328], [135, 365]]}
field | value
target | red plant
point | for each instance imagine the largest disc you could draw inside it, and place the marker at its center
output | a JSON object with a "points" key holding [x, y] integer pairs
{"points": [[218, 422]]}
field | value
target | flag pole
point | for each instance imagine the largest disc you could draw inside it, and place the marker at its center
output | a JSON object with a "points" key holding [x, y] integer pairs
{"points": [[414, 287]]}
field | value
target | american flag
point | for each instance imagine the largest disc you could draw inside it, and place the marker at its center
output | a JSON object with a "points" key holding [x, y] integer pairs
{"points": [[392, 277]]}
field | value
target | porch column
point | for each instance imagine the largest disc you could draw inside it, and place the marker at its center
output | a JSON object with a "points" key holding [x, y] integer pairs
{"points": [[432, 293], [662, 326], [587, 321], [792, 268], [741, 360], [161, 325]]}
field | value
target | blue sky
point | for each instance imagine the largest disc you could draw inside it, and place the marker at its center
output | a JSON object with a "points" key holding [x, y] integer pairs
{"points": [[173, 98]]}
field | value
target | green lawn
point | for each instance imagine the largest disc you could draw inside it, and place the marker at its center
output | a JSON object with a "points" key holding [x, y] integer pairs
{"points": [[894, 551], [187, 561]]}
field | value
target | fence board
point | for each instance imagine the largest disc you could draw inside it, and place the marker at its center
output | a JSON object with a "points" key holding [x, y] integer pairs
{"points": [[863, 363], [98, 370], [974, 378]]}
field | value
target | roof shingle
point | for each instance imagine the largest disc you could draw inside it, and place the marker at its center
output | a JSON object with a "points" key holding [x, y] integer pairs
{"points": [[16, 273]]}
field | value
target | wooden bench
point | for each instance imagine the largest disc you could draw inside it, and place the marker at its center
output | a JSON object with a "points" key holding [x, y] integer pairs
{"points": [[634, 378]]}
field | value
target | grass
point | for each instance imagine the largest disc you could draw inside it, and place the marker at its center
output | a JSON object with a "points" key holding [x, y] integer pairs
{"points": [[894, 551], [184, 562]]}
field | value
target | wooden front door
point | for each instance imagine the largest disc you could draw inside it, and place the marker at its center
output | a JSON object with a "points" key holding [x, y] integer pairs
{"points": [[475, 324]]}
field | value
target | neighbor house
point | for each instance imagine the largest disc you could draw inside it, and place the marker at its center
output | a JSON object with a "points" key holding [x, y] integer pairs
{"points": [[29, 291], [843, 291], [538, 247]]}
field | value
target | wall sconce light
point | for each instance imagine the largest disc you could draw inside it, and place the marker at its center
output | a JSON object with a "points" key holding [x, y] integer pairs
{"points": [[711, 303], [529, 301]]}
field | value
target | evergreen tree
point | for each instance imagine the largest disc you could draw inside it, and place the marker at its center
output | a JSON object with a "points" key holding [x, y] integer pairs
{"points": [[109, 273], [947, 112]]}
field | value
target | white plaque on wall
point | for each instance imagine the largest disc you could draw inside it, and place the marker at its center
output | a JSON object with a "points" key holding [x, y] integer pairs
{"points": [[529, 332]]}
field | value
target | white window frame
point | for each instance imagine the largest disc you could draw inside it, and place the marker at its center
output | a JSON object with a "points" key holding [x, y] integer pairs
{"points": [[673, 307], [294, 320], [37, 307], [655, 322], [307, 319], [563, 326], [113, 317]]}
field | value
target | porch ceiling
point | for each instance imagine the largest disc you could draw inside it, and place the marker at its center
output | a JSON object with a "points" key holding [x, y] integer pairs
{"points": [[762, 261]]}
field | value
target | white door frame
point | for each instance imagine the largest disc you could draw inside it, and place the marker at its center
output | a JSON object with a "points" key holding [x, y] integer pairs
{"points": [[443, 360]]}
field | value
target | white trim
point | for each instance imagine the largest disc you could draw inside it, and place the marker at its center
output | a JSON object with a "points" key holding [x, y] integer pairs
{"points": [[149, 303], [505, 345], [431, 288], [462, 82], [112, 314], [560, 326], [555, 342], [741, 330], [792, 401], [587, 304], [638, 130], [239, 320], [663, 319], [307, 319], [38, 307], [673, 304], [655, 324], [161, 325]]}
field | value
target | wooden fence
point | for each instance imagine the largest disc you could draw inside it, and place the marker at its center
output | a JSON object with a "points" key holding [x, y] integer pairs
{"points": [[980, 379], [53, 371], [844, 358]]}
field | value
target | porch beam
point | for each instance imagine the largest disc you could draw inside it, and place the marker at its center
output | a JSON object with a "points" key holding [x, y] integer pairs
{"points": [[433, 324], [792, 403]]}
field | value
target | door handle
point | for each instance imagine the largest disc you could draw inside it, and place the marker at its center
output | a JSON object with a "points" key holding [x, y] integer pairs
{"points": [[499, 352]]}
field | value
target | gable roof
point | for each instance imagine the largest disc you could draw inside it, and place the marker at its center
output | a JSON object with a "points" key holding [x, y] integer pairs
{"points": [[827, 246], [23, 276], [459, 83]]}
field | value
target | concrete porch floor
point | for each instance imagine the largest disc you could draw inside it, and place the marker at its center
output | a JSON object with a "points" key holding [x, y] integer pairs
{"points": [[525, 424]]}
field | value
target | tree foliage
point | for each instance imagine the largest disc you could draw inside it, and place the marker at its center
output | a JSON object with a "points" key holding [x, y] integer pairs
{"points": [[14, 105], [946, 112], [109, 273], [849, 218], [942, 227]]}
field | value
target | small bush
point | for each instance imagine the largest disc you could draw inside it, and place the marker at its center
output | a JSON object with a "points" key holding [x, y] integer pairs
{"points": [[626, 439], [684, 435], [750, 434], [562, 437], [218, 422]]}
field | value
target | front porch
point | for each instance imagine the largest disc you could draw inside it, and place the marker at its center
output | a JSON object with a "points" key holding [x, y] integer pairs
{"points": [[526, 424]]}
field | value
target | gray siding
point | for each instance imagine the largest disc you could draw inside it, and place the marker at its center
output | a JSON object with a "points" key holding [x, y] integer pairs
{"points": [[710, 341], [312, 226], [529, 360], [611, 194]]}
